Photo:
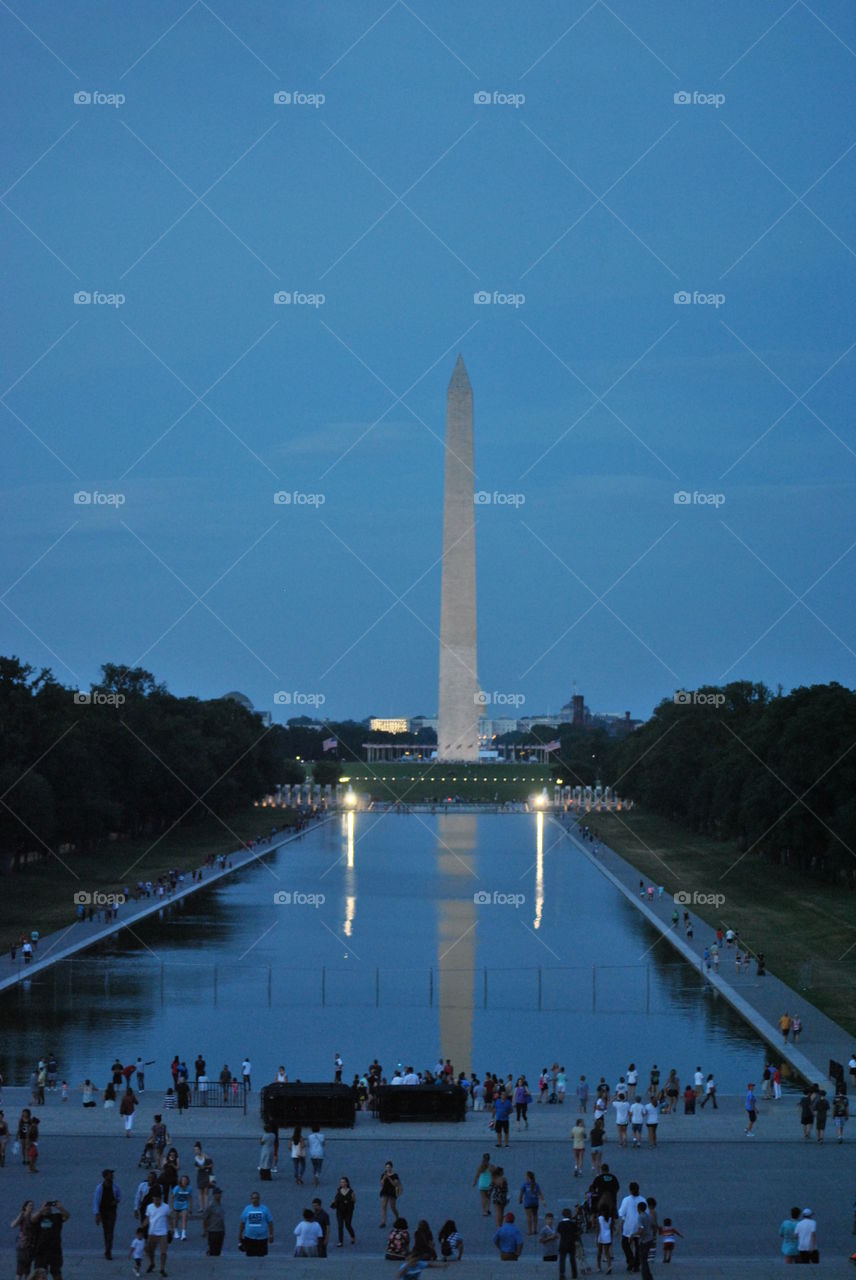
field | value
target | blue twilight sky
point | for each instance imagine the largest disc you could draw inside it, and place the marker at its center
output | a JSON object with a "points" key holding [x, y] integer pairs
{"points": [[582, 189]]}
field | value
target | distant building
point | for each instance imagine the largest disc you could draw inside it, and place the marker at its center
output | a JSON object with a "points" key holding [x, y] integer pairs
{"points": [[244, 701], [389, 724], [423, 722]]}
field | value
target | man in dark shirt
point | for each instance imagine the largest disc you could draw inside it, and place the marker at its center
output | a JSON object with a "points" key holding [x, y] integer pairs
{"points": [[604, 1193], [47, 1248], [645, 1232], [821, 1111], [322, 1217], [569, 1234], [104, 1206]]}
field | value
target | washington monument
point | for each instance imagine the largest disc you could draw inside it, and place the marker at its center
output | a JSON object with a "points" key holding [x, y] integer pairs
{"points": [[458, 715]]}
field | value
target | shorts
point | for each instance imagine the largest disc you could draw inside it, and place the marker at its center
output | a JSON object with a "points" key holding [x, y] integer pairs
{"points": [[752, 1116], [255, 1248], [637, 1129], [501, 1126], [317, 1162], [52, 1263]]}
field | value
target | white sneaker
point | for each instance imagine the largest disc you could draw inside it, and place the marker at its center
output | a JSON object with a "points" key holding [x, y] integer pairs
{"points": [[184, 1235]]}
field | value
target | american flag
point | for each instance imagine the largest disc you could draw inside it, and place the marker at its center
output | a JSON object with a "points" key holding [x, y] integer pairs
{"points": [[552, 746], [330, 744]]}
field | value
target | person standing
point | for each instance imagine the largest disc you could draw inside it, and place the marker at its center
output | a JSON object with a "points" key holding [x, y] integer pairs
{"points": [[47, 1223], [628, 1214], [316, 1145], [788, 1233], [647, 1237], [632, 1079], [157, 1219], [337, 1068], [806, 1113], [821, 1111], [582, 1095], [344, 1202], [482, 1179], [709, 1093], [840, 1113], [508, 1239], [247, 1075], [127, 1107], [569, 1236], [255, 1231], [204, 1168], [214, 1224], [806, 1233], [501, 1116], [652, 1119], [298, 1155], [105, 1205], [604, 1238], [785, 1026], [578, 1138], [24, 1241], [751, 1108], [796, 1027], [307, 1236], [390, 1190], [621, 1108], [499, 1193], [322, 1217], [777, 1084], [141, 1076], [637, 1117], [596, 1137]]}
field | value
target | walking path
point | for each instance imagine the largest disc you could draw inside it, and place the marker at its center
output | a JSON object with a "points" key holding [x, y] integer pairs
{"points": [[759, 1000], [80, 935]]}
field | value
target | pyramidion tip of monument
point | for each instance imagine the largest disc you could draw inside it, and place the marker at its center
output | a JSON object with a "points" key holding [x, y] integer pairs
{"points": [[460, 380]]}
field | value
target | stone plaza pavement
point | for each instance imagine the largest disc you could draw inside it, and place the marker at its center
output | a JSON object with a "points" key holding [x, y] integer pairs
{"points": [[726, 1193]]}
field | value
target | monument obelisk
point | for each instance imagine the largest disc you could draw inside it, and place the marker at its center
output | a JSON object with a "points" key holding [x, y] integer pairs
{"points": [[459, 707]]}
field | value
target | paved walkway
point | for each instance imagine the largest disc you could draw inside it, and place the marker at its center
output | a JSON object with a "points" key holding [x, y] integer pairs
{"points": [[760, 1000], [80, 935]]}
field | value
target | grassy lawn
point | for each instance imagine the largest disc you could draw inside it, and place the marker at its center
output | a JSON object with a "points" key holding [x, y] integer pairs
{"points": [[804, 927], [419, 782], [41, 896]]}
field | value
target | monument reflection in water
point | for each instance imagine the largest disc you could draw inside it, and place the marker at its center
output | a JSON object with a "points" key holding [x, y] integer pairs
{"points": [[485, 938]]}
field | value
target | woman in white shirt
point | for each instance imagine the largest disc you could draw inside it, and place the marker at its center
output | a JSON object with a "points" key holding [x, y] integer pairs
{"points": [[604, 1242]]}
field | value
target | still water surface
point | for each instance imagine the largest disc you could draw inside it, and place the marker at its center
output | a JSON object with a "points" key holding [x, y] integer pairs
{"points": [[485, 938]]}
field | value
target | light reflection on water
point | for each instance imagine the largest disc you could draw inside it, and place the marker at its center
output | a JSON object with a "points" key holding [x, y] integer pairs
{"points": [[421, 947]]}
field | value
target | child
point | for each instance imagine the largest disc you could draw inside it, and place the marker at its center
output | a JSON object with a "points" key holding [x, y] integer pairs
{"points": [[138, 1249], [548, 1239], [182, 1205], [668, 1232], [64, 1094]]}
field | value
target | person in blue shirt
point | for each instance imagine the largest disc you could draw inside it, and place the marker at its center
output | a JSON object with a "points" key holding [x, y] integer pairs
{"points": [[501, 1112], [509, 1240], [255, 1231]]}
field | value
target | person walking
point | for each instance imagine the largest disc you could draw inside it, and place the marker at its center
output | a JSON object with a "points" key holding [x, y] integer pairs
{"points": [[499, 1193], [647, 1238], [157, 1220], [127, 1108], [806, 1113], [604, 1237], [578, 1138], [709, 1093], [482, 1179], [796, 1027], [181, 1203], [628, 1214], [751, 1108], [840, 1112], [344, 1202], [105, 1204], [307, 1236], [821, 1111], [785, 1026], [204, 1168], [214, 1224], [621, 1107], [652, 1119], [322, 1217], [298, 1155], [315, 1145], [267, 1144], [530, 1197], [390, 1190], [788, 1233], [806, 1233], [569, 1238], [596, 1137], [501, 1114], [255, 1229], [522, 1098]]}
